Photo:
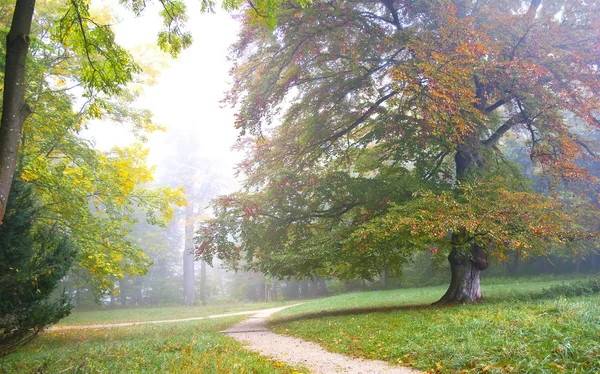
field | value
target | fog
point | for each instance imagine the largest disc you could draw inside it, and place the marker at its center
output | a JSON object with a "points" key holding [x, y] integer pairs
{"points": [[194, 151]]}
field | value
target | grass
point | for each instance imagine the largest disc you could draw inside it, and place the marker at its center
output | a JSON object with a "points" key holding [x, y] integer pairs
{"points": [[494, 289], [517, 330], [139, 314], [184, 347]]}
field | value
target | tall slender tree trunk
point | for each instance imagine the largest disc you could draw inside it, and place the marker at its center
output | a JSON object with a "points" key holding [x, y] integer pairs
{"points": [[14, 108], [139, 291], [188, 257], [219, 277], [123, 292], [385, 276], [517, 262], [113, 296], [291, 289], [203, 289], [304, 289], [267, 292]]}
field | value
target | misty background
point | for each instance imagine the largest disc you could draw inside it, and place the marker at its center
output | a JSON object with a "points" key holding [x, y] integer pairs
{"points": [[195, 151]]}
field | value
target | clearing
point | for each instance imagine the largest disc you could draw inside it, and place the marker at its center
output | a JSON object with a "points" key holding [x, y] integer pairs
{"points": [[543, 325]]}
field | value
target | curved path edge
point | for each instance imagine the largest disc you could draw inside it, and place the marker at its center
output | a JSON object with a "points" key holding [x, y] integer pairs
{"points": [[256, 336], [121, 324]]}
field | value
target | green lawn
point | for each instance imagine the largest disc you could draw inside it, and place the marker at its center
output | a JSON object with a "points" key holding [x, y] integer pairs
{"points": [[139, 314], [183, 347], [517, 330]]}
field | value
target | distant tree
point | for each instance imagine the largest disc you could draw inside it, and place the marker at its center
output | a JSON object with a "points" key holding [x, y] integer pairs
{"points": [[32, 262], [393, 115], [202, 178]]}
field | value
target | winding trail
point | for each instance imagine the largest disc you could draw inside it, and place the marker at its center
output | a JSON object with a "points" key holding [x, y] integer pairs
{"points": [[297, 352], [122, 324], [254, 333]]}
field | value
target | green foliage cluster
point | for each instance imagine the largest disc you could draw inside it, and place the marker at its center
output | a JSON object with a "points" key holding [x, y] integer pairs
{"points": [[32, 262], [90, 195]]}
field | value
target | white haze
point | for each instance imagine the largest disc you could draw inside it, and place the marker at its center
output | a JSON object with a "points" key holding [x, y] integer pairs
{"points": [[186, 97]]}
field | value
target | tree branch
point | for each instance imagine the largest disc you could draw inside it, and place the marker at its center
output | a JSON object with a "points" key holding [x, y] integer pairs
{"points": [[494, 106], [440, 158], [521, 39], [357, 122], [493, 139], [389, 4], [479, 94], [585, 146], [533, 6]]}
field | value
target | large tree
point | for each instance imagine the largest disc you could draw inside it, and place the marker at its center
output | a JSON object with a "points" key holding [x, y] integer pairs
{"points": [[375, 128]]}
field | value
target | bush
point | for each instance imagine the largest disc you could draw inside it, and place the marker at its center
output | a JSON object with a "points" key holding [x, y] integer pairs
{"points": [[584, 287], [33, 258]]}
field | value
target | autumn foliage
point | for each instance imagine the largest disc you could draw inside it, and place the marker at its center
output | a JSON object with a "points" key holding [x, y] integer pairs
{"points": [[376, 129]]}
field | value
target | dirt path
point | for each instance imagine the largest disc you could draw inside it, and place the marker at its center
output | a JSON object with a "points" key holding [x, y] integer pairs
{"points": [[121, 324], [293, 351], [298, 352]]}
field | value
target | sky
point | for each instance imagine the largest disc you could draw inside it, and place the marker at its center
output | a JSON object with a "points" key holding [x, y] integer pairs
{"points": [[186, 97]]}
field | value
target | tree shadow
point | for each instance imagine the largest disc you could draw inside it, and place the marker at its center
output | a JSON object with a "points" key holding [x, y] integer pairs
{"points": [[356, 311]]}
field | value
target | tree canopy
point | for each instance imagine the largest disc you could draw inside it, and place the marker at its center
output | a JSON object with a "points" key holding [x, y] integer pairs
{"points": [[375, 129], [89, 195]]}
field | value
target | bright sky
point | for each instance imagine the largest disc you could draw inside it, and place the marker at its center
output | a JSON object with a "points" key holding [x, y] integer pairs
{"points": [[187, 94]]}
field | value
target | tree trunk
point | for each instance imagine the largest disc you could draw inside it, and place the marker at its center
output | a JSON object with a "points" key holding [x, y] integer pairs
{"points": [[123, 292], [267, 292], [219, 278], [517, 261], [291, 289], [14, 109], [466, 267], [188, 257], [139, 292], [466, 264], [304, 289], [313, 287], [113, 297], [203, 296], [385, 276]]}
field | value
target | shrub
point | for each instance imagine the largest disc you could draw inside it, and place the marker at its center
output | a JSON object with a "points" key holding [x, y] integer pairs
{"points": [[33, 258], [583, 287]]}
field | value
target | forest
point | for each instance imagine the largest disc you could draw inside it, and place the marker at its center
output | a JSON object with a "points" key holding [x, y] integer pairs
{"points": [[414, 184]]}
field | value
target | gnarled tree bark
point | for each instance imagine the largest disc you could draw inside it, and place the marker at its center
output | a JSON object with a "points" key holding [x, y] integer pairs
{"points": [[466, 266]]}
